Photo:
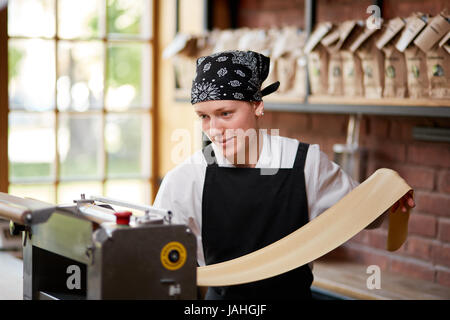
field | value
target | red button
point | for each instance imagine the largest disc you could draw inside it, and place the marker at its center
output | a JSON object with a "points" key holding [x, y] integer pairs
{"points": [[123, 217]]}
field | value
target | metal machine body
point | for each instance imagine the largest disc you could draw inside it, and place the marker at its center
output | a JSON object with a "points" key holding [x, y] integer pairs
{"points": [[80, 252]]}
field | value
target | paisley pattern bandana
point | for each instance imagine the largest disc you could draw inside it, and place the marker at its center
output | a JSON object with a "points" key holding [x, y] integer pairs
{"points": [[231, 75]]}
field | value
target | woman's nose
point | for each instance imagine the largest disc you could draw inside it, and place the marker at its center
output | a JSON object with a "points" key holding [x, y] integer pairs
{"points": [[215, 132], [215, 128]]}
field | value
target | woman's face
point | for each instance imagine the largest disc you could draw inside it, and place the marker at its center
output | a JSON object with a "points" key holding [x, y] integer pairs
{"points": [[230, 124]]}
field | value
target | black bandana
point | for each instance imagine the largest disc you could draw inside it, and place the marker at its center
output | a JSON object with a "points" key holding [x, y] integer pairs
{"points": [[231, 75]]}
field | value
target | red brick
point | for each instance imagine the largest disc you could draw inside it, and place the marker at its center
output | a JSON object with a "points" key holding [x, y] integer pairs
{"points": [[395, 8], [413, 268], [444, 181], [430, 154], [379, 127], [401, 129], [377, 238], [419, 248], [283, 5], [294, 121], [249, 4], [385, 151], [444, 230], [422, 224], [417, 176], [434, 203], [329, 124], [443, 276], [361, 237], [338, 11], [441, 254], [266, 19], [291, 18]]}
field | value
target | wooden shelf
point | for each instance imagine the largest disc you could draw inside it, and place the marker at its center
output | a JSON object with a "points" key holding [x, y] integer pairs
{"points": [[343, 105], [405, 102]]}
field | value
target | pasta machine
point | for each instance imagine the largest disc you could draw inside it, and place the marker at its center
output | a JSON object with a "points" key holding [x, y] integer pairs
{"points": [[90, 250]]}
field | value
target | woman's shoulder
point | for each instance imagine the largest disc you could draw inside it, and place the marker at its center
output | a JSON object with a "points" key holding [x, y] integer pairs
{"points": [[189, 169]]}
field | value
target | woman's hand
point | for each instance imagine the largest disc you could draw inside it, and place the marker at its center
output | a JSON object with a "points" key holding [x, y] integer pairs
{"points": [[406, 202]]}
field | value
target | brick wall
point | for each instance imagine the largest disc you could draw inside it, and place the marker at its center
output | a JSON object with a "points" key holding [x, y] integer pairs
{"points": [[424, 165], [270, 13]]}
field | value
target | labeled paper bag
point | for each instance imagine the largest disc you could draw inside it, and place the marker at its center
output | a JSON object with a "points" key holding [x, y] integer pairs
{"points": [[335, 81], [352, 74], [395, 79], [416, 66], [372, 62], [317, 60], [437, 59]]}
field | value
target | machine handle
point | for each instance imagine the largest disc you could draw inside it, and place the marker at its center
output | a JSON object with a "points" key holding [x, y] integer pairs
{"points": [[130, 205], [14, 212]]}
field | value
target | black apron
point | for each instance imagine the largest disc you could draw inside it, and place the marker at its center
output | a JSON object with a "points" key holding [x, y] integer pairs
{"points": [[243, 211]]}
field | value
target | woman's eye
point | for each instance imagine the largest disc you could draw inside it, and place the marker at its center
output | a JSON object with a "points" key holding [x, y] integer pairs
{"points": [[225, 114], [202, 116]]}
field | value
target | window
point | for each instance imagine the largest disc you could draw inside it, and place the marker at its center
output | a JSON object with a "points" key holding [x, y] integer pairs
{"points": [[80, 99]]}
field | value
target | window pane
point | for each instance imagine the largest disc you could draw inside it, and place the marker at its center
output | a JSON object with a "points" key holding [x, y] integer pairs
{"points": [[31, 18], [130, 17], [129, 71], [127, 140], [67, 192], [80, 80], [31, 74], [43, 192], [80, 19], [31, 146], [79, 146], [134, 191]]}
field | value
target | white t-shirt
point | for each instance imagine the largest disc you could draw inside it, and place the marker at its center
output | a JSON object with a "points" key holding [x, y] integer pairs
{"points": [[182, 188]]}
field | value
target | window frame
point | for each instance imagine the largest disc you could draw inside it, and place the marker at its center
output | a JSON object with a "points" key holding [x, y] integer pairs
{"points": [[149, 111]]}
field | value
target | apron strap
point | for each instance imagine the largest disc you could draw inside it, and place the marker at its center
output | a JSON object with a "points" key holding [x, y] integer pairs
{"points": [[300, 158], [210, 156]]}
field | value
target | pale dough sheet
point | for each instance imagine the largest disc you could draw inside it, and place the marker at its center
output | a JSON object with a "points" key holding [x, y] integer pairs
{"points": [[321, 235]]}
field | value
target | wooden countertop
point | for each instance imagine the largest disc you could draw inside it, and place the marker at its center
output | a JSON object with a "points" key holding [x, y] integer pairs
{"points": [[343, 278], [350, 280]]}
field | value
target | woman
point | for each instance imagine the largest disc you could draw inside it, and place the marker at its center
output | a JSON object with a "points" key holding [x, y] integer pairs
{"points": [[248, 189]]}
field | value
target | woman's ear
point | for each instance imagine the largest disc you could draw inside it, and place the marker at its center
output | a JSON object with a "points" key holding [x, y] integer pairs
{"points": [[259, 108]]}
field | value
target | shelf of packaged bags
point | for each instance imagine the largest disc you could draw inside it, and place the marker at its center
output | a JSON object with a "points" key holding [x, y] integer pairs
{"points": [[345, 105]]}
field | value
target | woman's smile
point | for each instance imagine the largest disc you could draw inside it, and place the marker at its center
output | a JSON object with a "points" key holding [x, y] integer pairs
{"points": [[224, 141]]}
